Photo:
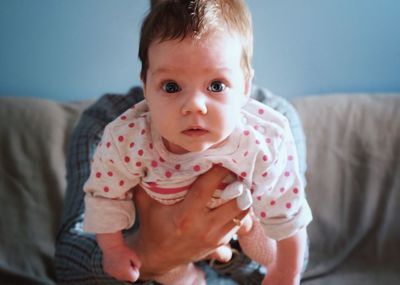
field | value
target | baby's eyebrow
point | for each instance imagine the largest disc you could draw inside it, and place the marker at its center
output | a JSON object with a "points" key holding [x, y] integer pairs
{"points": [[178, 70], [162, 70]]}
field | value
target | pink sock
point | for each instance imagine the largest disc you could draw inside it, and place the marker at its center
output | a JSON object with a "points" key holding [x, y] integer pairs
{"points": [[257, 245]]}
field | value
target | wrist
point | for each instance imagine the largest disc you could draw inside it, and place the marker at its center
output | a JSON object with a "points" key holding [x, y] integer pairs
{"points": [[110, 241], [151, 259]]}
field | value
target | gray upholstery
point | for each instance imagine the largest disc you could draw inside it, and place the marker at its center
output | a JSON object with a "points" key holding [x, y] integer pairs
{"points": [[353, 186]]}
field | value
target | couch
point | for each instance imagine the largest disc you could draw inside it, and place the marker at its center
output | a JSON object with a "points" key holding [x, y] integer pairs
{"points": [[353, 186]]}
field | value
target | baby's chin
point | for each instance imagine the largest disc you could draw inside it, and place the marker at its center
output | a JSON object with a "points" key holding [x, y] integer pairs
{"points": [[205, 146], [194, 147]]}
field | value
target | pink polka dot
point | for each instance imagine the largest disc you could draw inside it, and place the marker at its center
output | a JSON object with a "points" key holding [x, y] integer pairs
{"points": [[196, 167], [290, 157], [108, 144], [268, 140], [140, 152], [121, 138], [143, 132], [111, 161], [150, 145], [161, 159], [121, 183], [259, 198], [98, 174], [138, 164], [123, 117], [265, 157], [234, 160], [272, 202], [295, 190], [168, 174], [110, 173], [287, 173], [106, 189], [178, 166], [243, 174], [255, 127], [127, 159], [260, 111], [131, 125], [154, 163], [288, 205], [132, 144], [246, 153], [282, 189], [263, 215], [257, 142], [265, 174], [246, 132]]}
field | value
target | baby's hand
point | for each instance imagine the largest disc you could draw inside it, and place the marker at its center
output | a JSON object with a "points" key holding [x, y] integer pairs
{"points": [[121, 263]]}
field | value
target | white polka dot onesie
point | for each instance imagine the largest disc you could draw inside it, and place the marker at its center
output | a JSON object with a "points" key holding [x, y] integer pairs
{"points": [[261, 152]]}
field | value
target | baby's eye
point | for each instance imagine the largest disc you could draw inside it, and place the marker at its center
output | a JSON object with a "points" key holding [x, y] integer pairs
{"points": [[171, 87], [216, 86]]}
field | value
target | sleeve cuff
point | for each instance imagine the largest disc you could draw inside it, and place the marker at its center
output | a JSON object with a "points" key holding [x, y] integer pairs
{"points": [[104, 215], [281, 228]]}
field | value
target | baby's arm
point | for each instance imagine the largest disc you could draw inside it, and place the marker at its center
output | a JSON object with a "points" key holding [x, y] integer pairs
{"points": [[119, 260], [285, 269], [109, 207]]}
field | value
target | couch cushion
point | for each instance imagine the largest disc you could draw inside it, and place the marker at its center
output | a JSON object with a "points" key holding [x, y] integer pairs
{"points": [[33, 141], [353, 176]]}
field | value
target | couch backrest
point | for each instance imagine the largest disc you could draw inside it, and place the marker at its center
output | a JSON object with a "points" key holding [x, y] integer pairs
{"points": [[33, 141], [353, 145]]}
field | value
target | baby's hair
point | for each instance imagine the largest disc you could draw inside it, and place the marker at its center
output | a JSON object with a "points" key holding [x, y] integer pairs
{"points": [[177, 19]]}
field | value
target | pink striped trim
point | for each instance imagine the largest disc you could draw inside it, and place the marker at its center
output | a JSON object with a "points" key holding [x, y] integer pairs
{"points": [[160, 190]]}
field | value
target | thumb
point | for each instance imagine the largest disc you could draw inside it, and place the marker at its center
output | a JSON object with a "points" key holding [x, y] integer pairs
{"points": [[222, 253], [133, 272]]}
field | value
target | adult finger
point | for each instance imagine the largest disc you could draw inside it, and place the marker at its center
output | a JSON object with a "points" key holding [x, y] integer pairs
{"points": [[203, 188], [226, 212], [230, 228]]}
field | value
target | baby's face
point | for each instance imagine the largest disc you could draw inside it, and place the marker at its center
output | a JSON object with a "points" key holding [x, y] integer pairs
{"points": [[195, 90]]}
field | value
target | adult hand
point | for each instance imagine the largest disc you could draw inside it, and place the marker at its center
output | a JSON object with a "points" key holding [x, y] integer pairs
{"points": [[188, 231]]}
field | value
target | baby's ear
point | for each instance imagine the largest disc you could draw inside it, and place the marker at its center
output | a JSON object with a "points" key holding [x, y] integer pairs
{"points": [[144, 88], [248, 84]]}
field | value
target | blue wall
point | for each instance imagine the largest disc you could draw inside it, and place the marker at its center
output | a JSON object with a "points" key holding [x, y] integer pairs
{"points": [[79, 49]]}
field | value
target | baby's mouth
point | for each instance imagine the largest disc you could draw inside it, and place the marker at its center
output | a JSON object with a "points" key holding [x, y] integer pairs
{"points": [[195, 132]]}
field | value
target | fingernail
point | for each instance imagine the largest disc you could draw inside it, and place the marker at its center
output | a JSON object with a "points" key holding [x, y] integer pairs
{"points": [[233, 190], [245, 200]]}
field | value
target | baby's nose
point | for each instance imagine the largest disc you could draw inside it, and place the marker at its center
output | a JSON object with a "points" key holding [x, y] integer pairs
{"points": [[195, 103]]}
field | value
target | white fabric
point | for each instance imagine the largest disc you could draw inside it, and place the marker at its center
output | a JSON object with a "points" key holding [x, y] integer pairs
{"points": [[260, 152]]}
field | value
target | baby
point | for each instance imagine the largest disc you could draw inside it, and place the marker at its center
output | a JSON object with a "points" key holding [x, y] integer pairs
{"points": [[196, 73]]}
